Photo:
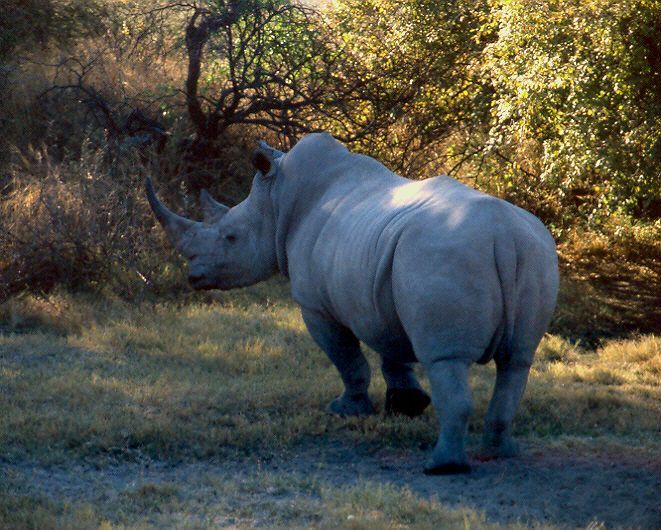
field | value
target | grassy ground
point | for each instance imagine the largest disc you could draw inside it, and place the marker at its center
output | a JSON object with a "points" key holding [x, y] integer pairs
{"points": [[98, 383], [282, 505]]}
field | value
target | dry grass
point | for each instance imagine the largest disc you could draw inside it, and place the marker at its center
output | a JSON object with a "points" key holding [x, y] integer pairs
{"points": [[300, 503], [611, 283]]}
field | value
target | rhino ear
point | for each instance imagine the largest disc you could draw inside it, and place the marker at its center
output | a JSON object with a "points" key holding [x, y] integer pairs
{"points": [[264, 159], [211, 208]]}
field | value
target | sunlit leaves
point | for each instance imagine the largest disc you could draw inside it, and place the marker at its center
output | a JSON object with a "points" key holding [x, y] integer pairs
{"points": [[569, 77], [419, 60], [263, 62]]}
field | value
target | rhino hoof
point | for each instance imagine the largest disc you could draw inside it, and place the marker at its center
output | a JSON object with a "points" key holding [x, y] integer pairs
{"points": [[450, 468], [410, 402], [351, 406]]}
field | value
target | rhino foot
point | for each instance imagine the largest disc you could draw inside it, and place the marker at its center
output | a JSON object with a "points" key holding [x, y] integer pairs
{"points": [[410, 402], [351, 406], [499, 446], [448, 457], [451, 468]]}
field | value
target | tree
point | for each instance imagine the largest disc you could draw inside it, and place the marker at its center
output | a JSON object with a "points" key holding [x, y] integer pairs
{"points": [[258, 62], [422, 94]]}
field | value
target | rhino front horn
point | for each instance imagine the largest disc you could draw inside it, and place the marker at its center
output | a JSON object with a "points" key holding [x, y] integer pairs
{"points": [[174, 224]]}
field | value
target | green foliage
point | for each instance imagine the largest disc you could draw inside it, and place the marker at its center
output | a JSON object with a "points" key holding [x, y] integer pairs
{"points": [[281, 40], [417, 60], [555, 105], [577, 104], [28, 24], [260, 63]]}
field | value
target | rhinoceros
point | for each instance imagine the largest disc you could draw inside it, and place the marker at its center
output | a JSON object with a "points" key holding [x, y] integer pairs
{"points": [[428, 271]]}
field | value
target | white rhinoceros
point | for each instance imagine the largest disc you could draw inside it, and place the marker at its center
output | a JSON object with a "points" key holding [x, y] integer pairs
{"points": [[430, 271]]}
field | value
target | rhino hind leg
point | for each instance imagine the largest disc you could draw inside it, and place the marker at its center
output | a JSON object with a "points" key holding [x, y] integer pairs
{"points": [[453, 404], [343, 349], [404, 394], [497, 441]]}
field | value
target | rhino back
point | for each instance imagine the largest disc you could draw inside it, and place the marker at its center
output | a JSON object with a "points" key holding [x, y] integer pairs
{"points": [[393, 258], [341, 258]]}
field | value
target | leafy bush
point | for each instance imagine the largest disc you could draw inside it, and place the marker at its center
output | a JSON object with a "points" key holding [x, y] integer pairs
{"points": [[577, 105], [421, 96], [553, 105], [29, 24]]}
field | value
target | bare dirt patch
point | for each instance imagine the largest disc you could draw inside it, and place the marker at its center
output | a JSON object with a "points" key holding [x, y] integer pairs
{"points": [[545, 486]]}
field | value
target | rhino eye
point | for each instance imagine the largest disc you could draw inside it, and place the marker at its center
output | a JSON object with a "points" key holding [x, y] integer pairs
{"points": [[230, 238]]}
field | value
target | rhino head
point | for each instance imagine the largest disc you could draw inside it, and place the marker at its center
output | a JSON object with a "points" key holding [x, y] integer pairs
{"points": [[232, 247]]}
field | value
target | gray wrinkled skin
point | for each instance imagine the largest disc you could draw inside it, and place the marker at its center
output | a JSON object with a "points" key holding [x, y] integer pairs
{"points": [[429, 271]]}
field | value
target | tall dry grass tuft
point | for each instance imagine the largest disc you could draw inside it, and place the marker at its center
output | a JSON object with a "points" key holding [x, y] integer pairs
{"points": [[639, 355], [72, 224]]}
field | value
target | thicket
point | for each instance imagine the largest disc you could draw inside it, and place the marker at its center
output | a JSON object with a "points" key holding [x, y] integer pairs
{"points": [[553, 105]]}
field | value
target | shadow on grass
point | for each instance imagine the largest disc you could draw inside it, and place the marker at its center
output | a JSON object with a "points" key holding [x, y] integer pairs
{"points": [[142, 401], [240, 389], [207, 381]]}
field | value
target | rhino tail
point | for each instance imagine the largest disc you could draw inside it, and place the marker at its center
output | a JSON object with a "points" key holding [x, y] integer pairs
{"points": [[506, 259]]}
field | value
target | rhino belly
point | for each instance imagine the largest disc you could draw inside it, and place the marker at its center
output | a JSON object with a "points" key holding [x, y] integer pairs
{"points": [[381, 330]]}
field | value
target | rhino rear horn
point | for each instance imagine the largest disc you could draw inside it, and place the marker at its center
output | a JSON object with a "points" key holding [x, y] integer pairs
{"points": [[211, 208], [174, 224]]}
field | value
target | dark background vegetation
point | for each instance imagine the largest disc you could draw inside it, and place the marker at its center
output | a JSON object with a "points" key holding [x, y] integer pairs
{"points": [[554, 105]]}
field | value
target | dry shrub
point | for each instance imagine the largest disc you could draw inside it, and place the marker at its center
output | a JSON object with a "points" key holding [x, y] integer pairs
{"points": [[72, 210], [641, 351], [56, 313], [554, 348], [618, 240], [73, 225], [611, 282]]}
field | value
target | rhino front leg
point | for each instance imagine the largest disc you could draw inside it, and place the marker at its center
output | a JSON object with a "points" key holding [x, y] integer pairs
{"points": [[404, 395], [510, 383], [343, 349], [452, 401]]}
